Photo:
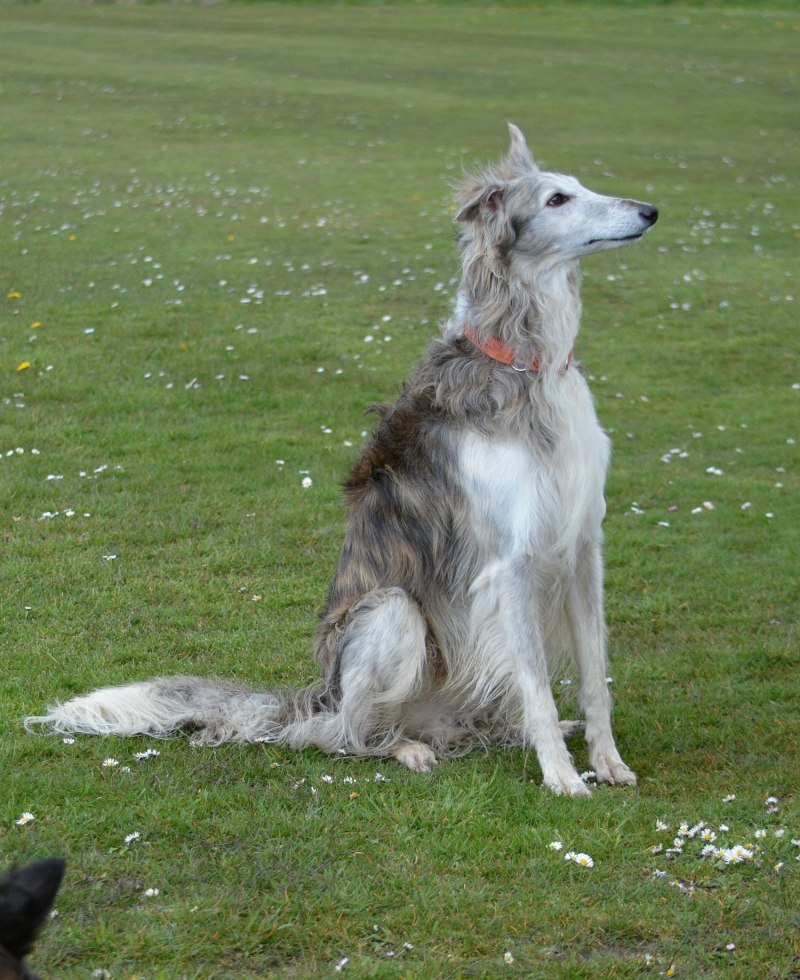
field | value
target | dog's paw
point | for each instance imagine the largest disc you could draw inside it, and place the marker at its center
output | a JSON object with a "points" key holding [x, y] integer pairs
{"points": [[614, 771], [567, 785], [416, 756]]}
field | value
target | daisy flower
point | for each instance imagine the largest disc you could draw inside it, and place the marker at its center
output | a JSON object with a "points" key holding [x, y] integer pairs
{"points": [[737, 854], [555, 845], [25, 819], [110, 763], [577, 857]]}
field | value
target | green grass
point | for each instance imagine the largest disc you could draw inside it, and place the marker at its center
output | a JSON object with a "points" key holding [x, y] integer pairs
{"points": [[163, 164]]}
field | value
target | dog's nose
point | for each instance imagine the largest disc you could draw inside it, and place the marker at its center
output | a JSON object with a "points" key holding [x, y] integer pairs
{"points": [[648, 213]]}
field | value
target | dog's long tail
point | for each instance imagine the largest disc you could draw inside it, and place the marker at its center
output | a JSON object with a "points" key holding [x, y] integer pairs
{"points": [[214, 711]]}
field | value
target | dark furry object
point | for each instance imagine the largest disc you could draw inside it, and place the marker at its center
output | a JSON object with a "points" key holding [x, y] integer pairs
{"points": [[26, 896]]}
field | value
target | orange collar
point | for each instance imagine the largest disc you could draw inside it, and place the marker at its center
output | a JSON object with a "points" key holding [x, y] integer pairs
{"points": [[498, 351]]}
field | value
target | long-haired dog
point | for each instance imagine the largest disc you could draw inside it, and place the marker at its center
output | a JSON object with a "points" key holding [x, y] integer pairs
{"points": [[26, 896], [472, 555]]}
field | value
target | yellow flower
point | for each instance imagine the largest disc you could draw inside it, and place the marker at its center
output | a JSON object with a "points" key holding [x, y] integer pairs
{"points": [[35, 324], [24, 366], [14, 294]]}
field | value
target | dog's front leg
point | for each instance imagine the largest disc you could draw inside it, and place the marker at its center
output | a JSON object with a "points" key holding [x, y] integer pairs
{"points": [[511, 644], [584, 609], [542, 729]]}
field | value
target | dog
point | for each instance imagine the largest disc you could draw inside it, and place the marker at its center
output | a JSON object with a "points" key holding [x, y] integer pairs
{"points": [[471, 563], [26, 896]]}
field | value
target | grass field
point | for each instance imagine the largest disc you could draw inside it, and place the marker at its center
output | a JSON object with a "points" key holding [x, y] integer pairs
{"points": [[225, 230]]}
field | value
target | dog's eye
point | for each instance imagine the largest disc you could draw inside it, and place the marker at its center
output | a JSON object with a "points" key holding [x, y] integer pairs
{"points": [[557, 200]]}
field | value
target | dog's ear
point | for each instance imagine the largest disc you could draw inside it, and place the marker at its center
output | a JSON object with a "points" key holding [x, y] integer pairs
{"points": [[519, 157], [479, 195], [26, 896]]}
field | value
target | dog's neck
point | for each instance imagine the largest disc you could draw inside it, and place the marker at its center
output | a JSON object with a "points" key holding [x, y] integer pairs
{"points": [[498, 351], [535, 319]]}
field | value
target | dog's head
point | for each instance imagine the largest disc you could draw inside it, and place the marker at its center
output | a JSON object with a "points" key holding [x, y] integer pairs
{"points": [[529, 218], [26, 896]]}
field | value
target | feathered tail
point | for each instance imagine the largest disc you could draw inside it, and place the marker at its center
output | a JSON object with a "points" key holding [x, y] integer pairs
{"points": [[215, 711]]}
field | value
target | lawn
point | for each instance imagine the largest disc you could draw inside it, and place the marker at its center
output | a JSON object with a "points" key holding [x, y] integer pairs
{"points": [[225, 231]]}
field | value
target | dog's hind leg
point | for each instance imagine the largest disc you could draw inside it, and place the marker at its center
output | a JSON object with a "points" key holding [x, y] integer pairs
{"points": [[584, 607], [379, 669]]}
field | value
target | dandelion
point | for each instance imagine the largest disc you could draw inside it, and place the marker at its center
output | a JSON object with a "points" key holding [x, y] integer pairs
{"points": [[26, 818], [577, 857], [23, 366], [14, 294], [110, 763]]}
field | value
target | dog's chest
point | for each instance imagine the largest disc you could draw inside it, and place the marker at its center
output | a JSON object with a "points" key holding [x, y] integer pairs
{"points": [[529, 499]]}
